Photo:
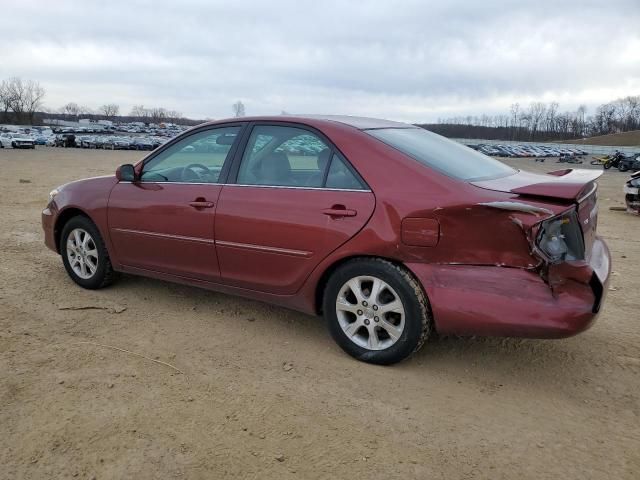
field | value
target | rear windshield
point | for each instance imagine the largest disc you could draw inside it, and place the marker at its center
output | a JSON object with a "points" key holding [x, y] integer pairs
{"points": [[441, 154]]}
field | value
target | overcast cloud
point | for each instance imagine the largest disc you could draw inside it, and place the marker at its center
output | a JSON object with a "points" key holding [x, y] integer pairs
{"points": [[404, 60]]}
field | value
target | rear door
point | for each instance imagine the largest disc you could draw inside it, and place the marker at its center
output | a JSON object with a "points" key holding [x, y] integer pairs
{"points": [[290, 201]]}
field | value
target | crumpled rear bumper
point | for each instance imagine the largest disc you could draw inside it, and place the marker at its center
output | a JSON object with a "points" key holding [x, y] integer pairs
{"points": [[514, 302]]}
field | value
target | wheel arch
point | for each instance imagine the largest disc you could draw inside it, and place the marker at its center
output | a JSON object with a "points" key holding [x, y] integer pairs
{"points": [[63, 217], [324, 278]]}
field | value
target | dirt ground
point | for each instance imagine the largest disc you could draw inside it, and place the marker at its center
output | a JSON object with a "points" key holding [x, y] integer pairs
{"points": [[265, 393]]}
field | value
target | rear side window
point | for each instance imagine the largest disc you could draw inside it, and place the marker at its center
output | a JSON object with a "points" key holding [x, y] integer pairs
{"points": [[446, 156], [341, 176], [283, 156]]}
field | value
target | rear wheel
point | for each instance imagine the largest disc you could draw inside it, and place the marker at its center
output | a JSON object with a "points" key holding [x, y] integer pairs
{"points": [[623, 167], [84, 254], [376, 311]]}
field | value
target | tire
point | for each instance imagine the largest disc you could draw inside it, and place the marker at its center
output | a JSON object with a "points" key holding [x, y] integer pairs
{"points": [[398, 332], [607, 165], [623, 167], [103, 274]]}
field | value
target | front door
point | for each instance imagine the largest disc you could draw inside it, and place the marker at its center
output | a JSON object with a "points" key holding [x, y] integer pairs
{"points": [[164, 221], [294, 201]]}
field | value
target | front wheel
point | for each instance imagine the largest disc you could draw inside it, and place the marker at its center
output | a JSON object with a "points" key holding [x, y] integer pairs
{"points": [[376, 311], [84, 254]]}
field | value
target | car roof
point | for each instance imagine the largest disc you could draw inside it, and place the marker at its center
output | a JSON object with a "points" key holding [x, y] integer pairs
{"points": [[361, 123]]}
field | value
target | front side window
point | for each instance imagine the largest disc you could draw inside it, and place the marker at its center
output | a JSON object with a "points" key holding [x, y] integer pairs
{"points": [[284, 156], [197, 158], [446, 156]]}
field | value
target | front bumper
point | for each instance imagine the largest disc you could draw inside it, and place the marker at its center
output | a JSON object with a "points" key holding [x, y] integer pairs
{"points": [[48, 225], [513, 302]]}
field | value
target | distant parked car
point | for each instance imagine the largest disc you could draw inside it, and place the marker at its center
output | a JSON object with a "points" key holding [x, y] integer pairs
{"points": [[117, 143], [16, 140], [98, 142], [141, 143], [83, 141]]}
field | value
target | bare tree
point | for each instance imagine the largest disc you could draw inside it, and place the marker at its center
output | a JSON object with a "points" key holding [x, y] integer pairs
{"points": [[536, 113], [139, 112], [71, 109], [22, 98], [174, 116], [6, 99], [110, 110], [238, 109], [32, 100], [158, 114], [85, 110], [581, 120]]}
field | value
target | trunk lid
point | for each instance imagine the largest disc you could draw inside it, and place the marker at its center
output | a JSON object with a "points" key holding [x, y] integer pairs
{"points": [[567, 185]]}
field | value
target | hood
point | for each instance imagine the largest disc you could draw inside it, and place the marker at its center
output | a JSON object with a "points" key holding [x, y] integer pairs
{"points": [[567, 185]]}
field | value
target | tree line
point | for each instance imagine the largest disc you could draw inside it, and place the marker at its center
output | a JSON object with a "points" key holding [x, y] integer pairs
{"points": [[544, 122], [21, 102]]}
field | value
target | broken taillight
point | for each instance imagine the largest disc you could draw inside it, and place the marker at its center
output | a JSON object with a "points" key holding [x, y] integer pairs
{"points": [[560, 238]]}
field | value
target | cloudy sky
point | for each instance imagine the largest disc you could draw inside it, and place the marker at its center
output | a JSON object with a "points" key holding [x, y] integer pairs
{"points": [[412, 60]]}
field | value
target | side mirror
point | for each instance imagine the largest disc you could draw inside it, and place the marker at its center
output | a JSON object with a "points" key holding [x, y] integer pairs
{"points": [[126, 173]]}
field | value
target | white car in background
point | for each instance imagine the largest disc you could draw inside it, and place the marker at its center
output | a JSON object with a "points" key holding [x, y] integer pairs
{"points": [[16, 140]]}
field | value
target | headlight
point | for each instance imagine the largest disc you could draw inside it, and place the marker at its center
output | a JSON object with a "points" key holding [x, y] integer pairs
{"points": [[53, 193], [560, 238]]}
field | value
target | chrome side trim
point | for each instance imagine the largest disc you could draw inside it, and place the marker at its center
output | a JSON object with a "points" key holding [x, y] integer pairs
{"points": [[263, 248], [173, 183], [299, 188], [257, 186], [165, 235]]}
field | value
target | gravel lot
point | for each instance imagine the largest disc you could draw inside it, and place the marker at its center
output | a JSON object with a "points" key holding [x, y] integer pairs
{"points": [[266, 393]]}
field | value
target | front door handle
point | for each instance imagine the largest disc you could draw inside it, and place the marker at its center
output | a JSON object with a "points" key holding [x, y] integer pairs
{"points": [[339, 211], [198, 204]]}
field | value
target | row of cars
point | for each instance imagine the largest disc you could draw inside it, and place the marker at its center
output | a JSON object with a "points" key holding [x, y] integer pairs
{"points": [[527, 151], [135, 129], [108, 142]]}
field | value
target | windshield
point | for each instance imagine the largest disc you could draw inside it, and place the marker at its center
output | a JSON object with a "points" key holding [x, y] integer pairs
{"points": [[444, 155]]}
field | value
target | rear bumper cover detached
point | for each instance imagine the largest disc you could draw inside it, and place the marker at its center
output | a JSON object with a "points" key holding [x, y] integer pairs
{"points": [[513, 302]]}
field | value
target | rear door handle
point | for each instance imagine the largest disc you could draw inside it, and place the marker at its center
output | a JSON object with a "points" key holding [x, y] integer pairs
{"points": [[339, 211], [201, 204]]}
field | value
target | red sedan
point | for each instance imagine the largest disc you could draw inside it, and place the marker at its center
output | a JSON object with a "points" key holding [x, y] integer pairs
{"points": [[389, 231]]}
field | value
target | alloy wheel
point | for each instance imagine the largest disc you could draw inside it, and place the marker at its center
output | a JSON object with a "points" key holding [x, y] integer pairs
{"points": [[82, 253], [370, 312]]}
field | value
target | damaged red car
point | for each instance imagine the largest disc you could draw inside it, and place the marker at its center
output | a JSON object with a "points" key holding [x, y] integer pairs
{"points": [[387, 230]]}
